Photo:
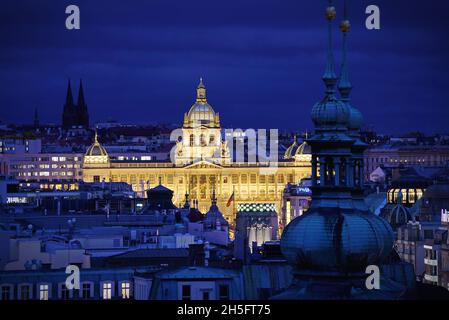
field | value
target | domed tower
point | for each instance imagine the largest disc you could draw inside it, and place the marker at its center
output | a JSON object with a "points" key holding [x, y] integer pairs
{"points": [[397, 214], [201, 133], [96, 155], [331, 245]]}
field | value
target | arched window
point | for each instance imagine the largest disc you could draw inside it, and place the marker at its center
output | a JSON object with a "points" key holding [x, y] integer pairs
{"points": [[202, 140], [192, 140]]}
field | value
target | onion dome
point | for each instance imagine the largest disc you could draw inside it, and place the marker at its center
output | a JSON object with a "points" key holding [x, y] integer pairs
{"points": [[330, 113], [355, 121], [329, 239]]}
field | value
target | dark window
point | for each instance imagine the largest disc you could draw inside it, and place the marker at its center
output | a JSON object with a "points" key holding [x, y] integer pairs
{"points": [[206, 295], [96, 178], [224, 292], [186, 295], [65, 293], [86, 291], [428, 234], [25, 292], [6, 292]]}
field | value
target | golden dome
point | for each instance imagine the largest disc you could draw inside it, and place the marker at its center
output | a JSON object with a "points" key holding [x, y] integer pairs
{"points": [[201, 112], [96, 149], [96, 154]]}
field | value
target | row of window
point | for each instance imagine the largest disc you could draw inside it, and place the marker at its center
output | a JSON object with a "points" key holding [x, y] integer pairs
{"points": [[44, 290], [244, 178], [47, 174]]}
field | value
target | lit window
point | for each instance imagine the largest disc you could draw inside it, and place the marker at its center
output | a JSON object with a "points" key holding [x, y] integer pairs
{"points": [[126, 290], [107, 291], [43, 292]]}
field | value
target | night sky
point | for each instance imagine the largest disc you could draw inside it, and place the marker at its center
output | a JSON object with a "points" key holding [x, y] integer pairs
{"points": [[261, 61]]}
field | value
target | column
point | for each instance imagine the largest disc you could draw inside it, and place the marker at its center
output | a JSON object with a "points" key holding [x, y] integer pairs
{"points": [[349, 173], [337, 170]]}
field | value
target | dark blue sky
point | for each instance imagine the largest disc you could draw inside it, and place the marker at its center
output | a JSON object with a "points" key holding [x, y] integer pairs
{"points": [[261, 60]]}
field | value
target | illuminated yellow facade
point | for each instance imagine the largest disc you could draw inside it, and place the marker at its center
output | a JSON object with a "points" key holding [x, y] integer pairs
{"points": [[202, 162]]}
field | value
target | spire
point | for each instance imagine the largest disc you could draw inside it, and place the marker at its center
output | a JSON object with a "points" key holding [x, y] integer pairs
{"points": [[201, 92], [69, 97], [81, 102], [96, 136], [345, 85], [83, 116], [187, 201], [329, 76]]}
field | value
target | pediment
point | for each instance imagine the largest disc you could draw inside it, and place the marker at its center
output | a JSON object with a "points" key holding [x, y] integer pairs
{"points": [[203, 164]]}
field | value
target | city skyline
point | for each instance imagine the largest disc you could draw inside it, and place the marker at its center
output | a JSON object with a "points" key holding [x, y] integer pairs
{"points": [[91, 210], [252, 62]]}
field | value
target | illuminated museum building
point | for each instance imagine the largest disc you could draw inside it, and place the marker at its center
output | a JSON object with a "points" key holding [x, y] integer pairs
{"points": [[202, 161]]}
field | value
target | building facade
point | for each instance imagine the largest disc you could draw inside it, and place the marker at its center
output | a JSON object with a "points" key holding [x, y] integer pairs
{"points": [[202, 162]]}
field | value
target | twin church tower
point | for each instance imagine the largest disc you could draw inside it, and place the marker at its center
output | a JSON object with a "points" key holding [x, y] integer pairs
{"points": [[75, 115]]}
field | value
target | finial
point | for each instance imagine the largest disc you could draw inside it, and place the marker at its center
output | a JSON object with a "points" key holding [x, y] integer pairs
{"points": [[306, 134], [96, 135], [201, 92], [201, 84], [345, 85], [329, 76]]}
